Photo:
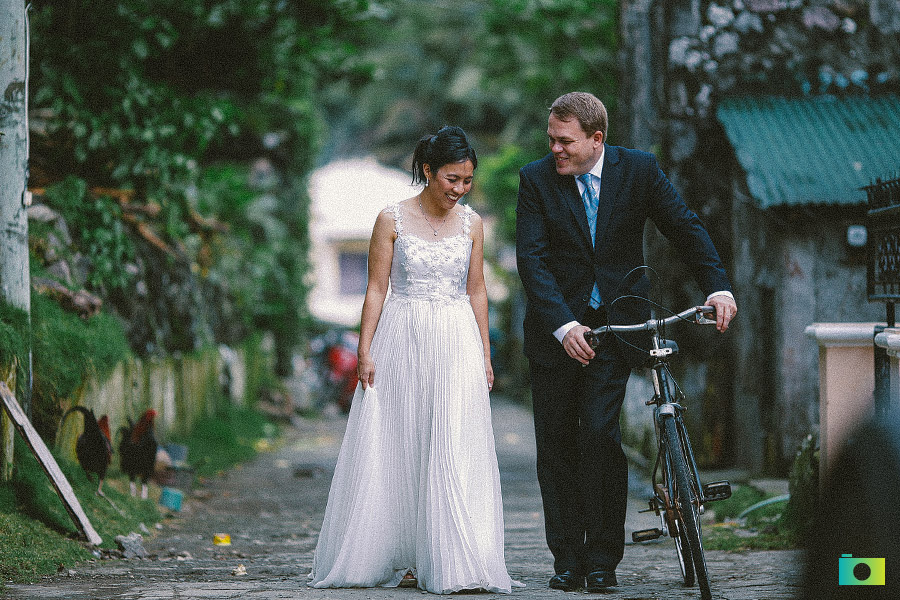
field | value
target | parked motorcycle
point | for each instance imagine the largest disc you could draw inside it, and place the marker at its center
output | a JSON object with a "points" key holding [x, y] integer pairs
{"points": [[333, 356]]}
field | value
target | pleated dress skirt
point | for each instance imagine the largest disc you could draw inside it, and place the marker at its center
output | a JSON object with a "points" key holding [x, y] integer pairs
{"points": [[416, 487]]}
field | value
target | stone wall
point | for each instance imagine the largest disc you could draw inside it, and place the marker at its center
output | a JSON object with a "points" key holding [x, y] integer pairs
{"points": [[790, 270], [779, 47], [681, 56]]}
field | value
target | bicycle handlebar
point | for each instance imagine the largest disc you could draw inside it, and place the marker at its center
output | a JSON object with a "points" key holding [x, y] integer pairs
{"points": [[696, 315]]}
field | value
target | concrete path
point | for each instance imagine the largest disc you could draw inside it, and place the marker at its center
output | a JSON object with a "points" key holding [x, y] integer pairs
{"points": [[272, 509]]}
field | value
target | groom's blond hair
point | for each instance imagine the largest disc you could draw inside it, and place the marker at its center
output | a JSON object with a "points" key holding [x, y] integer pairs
{"points": [[585, 107]]}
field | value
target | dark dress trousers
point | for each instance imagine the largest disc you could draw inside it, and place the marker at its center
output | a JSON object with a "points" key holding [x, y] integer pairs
{"points": [[581, 467]]}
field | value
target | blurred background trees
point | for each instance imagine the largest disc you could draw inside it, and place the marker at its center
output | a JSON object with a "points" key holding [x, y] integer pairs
{"points": [[174, 138], [492, 67]]}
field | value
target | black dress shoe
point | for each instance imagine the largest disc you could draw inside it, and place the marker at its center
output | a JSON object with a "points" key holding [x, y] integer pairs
{"points": [[600, 581], [567, 581]]}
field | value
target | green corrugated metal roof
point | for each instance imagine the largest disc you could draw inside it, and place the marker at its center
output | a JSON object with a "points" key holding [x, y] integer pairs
{"points": [[813, 150]]}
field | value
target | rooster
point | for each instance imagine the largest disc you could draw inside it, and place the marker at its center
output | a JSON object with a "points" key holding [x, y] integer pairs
{"points": [[94, 446], [137, 451]]}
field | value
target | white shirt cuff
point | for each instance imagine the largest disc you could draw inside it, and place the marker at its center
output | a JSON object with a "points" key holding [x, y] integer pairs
{"points": [[560, 333], [722, 293]]}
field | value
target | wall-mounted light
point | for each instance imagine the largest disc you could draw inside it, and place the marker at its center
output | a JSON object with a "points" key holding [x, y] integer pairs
{"points": [[857, 236]]}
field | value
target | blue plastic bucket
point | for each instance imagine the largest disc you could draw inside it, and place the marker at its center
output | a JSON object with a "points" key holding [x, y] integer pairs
{"points": [[171, 498]]}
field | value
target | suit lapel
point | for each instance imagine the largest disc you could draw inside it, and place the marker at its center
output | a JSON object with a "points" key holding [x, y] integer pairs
{"points": [[610, 182]]}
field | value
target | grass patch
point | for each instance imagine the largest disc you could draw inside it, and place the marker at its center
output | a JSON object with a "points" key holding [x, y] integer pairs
{"points": [[39, 536], [31, 549], [233, 436], [742, 497], [65, 351], [762, 529], [732, 538]]}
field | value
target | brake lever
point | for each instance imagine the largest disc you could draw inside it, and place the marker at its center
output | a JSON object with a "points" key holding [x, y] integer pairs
{"points": [[701, 317]]}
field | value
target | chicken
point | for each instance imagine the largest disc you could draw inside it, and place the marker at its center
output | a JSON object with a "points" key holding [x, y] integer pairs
{"points": [[94, 446], [137, 451]]}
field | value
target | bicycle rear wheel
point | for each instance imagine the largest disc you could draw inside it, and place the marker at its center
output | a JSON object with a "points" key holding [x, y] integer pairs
{"points": [[686, 505]]}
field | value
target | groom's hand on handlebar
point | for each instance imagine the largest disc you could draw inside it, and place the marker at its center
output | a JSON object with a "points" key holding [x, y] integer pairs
{"points": [[576, 346], [726, 309]]}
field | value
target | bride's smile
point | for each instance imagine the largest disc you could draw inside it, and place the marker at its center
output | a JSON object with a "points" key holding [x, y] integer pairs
{"points": [[447, 187]]}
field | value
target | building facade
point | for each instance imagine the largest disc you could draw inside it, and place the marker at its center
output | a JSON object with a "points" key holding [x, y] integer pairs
{"points": [[768, 116]]}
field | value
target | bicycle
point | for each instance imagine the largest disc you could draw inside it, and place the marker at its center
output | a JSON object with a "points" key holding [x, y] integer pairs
{"points": [[679, 496]]}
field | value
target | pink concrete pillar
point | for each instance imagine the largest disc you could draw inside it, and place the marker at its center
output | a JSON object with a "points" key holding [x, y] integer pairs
{"points": [[846, 383]]}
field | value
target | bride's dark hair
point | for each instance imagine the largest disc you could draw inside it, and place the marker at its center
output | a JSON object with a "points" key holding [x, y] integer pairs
{"points": [[449, 145]]}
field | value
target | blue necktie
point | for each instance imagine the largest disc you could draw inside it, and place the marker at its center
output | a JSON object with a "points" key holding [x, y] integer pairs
{"points": [[591, 200]]}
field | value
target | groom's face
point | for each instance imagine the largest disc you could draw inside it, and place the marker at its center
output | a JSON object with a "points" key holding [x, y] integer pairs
{"points": [[575, 151]]}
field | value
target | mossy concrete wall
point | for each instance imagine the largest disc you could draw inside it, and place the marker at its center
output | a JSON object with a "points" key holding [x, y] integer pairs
{"points": [[181, 390]]}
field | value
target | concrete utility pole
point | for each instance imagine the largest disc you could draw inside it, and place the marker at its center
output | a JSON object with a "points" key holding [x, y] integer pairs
{"points": [[14, 278]]}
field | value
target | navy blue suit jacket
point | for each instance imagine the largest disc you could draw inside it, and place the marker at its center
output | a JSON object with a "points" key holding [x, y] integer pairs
{"points": [[558, 265]]}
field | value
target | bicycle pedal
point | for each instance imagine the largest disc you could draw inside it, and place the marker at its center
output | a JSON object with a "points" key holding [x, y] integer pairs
{"points": [[645, 535], [716, 490]]}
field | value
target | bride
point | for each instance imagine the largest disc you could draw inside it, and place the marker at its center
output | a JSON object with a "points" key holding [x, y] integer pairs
{"points": [[415, 498]]}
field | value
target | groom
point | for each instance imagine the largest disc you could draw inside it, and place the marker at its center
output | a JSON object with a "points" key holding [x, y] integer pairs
{"points": [[579, 232]]}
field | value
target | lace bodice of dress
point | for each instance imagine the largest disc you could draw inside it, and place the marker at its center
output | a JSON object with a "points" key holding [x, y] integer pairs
{"points": [[435, 268]]}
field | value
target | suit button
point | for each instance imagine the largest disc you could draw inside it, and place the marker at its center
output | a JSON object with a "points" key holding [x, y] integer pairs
{"points": [[584, 298]]}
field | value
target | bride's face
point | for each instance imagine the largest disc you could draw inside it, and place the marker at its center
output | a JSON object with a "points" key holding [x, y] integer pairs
{"points": [[450, 183]]}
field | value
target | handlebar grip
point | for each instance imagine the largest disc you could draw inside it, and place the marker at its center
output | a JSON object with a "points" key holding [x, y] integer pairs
{"points": [[593, 339]]}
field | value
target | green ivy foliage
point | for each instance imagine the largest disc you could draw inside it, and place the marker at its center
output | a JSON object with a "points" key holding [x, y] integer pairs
{"points": [[256, 262], [97, 223], [137, 92], [148, 95]]}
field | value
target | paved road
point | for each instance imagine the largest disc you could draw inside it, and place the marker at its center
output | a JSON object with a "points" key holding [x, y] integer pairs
{"points": [[272, 509]]}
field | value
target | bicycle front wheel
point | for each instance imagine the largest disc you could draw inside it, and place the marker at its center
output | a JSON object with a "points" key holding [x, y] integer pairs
{"points": [[686, 505]]}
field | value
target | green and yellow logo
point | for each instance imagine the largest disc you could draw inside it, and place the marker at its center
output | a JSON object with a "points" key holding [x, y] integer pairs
{"points": [[860, 571]]}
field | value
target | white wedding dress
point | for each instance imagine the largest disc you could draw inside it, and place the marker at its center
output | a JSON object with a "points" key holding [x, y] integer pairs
{"points": [[416, 486]]}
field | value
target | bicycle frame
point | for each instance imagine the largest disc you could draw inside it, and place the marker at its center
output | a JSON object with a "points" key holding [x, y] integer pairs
{"points": [[668, 406], [680, 497]]}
